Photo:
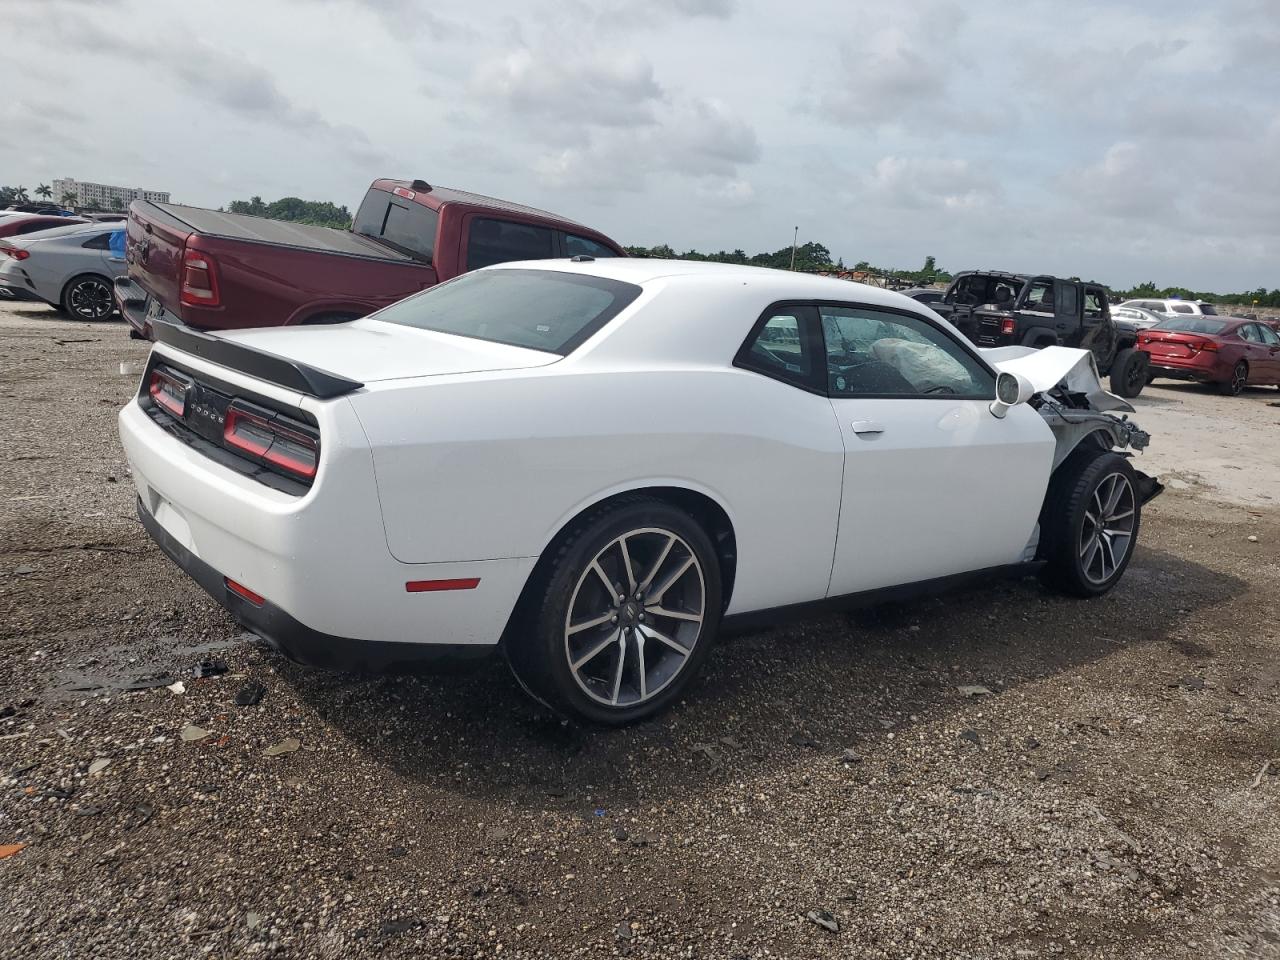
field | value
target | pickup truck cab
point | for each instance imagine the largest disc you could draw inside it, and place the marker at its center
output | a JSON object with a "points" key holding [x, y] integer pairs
{"points": [[218, 271], [995, 309]]}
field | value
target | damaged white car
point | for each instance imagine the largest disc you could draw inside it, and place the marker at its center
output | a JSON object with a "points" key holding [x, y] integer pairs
{"points": [[594, 465]]}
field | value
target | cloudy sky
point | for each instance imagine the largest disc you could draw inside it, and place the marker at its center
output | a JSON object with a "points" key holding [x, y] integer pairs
{"points": [[1122, 141]]}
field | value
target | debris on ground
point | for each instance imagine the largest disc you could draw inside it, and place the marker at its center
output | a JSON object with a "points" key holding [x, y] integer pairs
{"points": [[825, 919], [208, 668], [973, 690], [9, 849], [99, 765], [250, 695], [177, 687], [191, 732], [284, 746], [1266, 768]]}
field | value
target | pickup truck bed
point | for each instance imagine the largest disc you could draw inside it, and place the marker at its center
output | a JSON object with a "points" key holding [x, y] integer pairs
{"points": [[300, 236], [222, 271]]}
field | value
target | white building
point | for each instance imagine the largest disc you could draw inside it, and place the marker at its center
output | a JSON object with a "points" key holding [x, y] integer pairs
{"points": [[102, 195]]}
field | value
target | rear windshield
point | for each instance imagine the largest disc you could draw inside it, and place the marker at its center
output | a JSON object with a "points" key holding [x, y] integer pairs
{"points": [[539, 309], [401, 224], [1191, 325]]}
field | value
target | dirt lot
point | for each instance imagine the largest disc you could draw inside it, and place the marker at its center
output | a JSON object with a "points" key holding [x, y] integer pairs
{"points": [[1107, 798]]}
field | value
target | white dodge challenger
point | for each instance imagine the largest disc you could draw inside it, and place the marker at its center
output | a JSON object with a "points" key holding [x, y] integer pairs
{"points": [[594, 464]]}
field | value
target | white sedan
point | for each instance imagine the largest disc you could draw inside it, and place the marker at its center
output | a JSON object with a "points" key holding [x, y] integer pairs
{"points": [[593, 465]]}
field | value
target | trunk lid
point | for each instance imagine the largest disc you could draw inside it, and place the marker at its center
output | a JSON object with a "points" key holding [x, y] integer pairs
{"points": [[368, 350], [1166, 343]]}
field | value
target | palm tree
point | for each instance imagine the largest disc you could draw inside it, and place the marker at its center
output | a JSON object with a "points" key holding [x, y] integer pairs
{"points": [[21, 194], [44, 190], [70, 198]]}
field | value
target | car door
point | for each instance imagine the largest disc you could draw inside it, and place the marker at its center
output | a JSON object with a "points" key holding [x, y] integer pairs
{"points": [[1272, 343], [934, 483], [1257, 353], [1097, 331]]}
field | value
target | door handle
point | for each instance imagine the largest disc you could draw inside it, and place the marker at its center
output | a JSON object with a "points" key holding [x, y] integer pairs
{"points": [[867, 427]]}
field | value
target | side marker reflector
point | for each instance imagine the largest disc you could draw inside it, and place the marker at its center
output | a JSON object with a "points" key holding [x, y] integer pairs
{"points": [[431, 586], [240, 590]]}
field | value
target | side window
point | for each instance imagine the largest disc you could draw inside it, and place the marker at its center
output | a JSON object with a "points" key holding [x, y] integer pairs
{"points": [[1269, 336], [501, 241], [1040, 296], [1250, 332], [1093, 302], [100, 242], [34, 226], [1182, 308], [1069, 300], [872, 353], [779, 348], [582, 247]]}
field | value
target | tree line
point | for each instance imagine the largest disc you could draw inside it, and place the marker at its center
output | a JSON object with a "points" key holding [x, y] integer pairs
{"points": [[810, 257]]}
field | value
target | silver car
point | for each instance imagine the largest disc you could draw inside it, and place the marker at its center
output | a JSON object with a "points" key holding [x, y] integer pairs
{"points": [[69, 267], [1131, 318]]}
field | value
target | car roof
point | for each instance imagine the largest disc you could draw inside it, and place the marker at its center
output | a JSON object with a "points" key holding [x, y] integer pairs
{"points": [[55, 232], [777, 284]]}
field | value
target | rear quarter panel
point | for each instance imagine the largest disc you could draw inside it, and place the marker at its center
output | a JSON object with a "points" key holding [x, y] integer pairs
{"points": [[490, 467]]}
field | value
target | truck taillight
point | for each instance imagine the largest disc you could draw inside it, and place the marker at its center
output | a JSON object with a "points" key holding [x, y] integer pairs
{"points": [[199, 279], [275, 440], [1008, 326], [169, 392]]}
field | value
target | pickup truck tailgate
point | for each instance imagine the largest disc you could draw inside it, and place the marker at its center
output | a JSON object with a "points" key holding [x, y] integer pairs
{"points": [[153, 249]]}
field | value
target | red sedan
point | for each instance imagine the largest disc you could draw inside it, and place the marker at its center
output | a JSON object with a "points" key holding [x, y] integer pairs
{"points": [[1229, 353], [16, 225]]}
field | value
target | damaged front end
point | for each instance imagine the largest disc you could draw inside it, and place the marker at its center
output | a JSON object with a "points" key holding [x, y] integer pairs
{"points": [[1070, 397]]}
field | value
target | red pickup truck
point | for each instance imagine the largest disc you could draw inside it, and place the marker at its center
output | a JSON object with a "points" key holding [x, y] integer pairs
{"points": [[217, 271]]}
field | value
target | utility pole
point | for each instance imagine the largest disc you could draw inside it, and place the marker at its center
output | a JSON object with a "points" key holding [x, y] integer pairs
{"points": [[794, 237]]}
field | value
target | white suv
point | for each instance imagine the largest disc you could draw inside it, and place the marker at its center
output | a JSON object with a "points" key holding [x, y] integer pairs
{"points": [[1174, 307]]}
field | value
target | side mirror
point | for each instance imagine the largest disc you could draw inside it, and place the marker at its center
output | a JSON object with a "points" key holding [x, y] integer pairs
{"points": [[1011, 390]]}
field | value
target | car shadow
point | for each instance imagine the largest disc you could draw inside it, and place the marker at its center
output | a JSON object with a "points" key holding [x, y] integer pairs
{"points": [[763, 699]]}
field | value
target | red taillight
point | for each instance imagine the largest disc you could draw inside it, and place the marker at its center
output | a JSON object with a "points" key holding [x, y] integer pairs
{"points": [[240, 590], [1008, 326], [18, 254], [263, 435], [1211, 345], [169, 392], [199, 279]]}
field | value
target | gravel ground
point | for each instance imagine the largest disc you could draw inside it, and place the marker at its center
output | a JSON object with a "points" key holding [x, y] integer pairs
{"points": [[1106, 797]]}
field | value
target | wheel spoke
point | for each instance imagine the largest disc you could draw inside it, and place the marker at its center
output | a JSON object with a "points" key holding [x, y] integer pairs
{"points": [[613, 590], [640, 671], [668, 583], [627, 566], [1117, 491], [653, 634], [657, 564], [622, 663], [1120, 516], [660, 611], [595, 651], [1090, 551], [588, 624]]}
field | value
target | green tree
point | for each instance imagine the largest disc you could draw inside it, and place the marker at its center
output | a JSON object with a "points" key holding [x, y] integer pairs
{"points": [[317, 212], [45, 191], [70, 198]]}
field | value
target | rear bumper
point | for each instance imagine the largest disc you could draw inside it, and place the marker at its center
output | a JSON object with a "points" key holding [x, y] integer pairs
{"points": [[131, 301], [1194, 369], [297, 641], [333, 593]]}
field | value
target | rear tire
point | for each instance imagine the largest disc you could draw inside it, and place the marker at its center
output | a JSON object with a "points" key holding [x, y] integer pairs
{"points": [[1090, 522], [88, 297], [617, 654], [1129, 373], [1239, 379]]}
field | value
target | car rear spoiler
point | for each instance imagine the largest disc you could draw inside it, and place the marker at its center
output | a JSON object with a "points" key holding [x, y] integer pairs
{"points": [[290, 374]]}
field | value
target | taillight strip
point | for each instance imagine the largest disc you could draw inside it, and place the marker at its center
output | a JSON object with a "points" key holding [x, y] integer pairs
{"points": [[263, 436], [431, 586]]}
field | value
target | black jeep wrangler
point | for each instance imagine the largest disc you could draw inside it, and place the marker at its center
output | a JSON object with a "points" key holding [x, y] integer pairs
{"points": [[1008, 309]]}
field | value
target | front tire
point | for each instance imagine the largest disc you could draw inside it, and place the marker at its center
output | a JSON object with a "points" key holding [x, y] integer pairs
{"points": [[1239, 378], [88, 297], [1129, 373], [621, 615], [1090, 521]]}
